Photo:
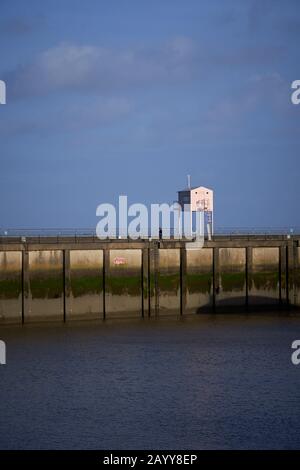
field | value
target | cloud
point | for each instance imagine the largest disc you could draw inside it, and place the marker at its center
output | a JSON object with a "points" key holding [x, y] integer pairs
{"points": [[268, 14], [16, 26], [249, 56], [93, 68], [259, 11], [267, 90], [89, 113], [260, 106], [90, 69]]}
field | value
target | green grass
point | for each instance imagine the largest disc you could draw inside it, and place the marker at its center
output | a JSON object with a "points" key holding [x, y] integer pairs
{"points": [[121, 285], [233, 281], [84, 285], [265, 280], [46, 288], [168, 282], [52, 286], [297, 277], [10, 288], [199, 283]]}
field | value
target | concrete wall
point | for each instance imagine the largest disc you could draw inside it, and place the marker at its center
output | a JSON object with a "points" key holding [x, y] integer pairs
{"points": [[232, 278], [264, 278], [86, 284], [69, 282], [169, 281], [45, 286], [123, 284], [10, 286], [297, 278], [199, 280]]}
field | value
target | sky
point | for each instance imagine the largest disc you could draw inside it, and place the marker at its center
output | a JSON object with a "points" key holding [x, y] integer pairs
{"points": [[111, 97]]}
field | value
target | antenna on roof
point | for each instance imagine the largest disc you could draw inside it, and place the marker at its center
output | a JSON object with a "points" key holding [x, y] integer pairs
{"points": [[189, 181]]}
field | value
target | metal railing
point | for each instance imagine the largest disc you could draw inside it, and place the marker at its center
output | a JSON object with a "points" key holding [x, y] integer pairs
{"points": [[257, 231], [87, 234]]}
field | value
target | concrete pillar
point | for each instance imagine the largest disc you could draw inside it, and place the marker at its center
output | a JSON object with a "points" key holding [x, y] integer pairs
{"points": [[67, 282], [216, 276], [145, 283], [105, 276], [183, 270], [249, 253], [283, 276], [154, 274], [25, 285], [296, 267], [291, 258]]}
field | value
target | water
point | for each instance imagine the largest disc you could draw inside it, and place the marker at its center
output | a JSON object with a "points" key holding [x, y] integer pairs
{"points": [[210, 382]]}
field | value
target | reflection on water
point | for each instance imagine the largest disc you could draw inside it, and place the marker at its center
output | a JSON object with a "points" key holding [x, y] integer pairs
{"points": [[199, 382]]}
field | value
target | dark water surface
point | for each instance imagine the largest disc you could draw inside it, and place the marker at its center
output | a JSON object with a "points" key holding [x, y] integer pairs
{"points": [[202, 382]]}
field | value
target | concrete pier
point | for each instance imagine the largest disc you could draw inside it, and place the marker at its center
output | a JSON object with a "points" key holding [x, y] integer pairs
{"points": [[70, 279]]}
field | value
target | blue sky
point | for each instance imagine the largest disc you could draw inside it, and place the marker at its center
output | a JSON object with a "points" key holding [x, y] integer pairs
{"points": [[107, 98]]}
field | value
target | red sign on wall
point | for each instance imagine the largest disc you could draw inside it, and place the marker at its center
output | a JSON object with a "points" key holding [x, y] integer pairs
{"points": [[119, 260]]}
